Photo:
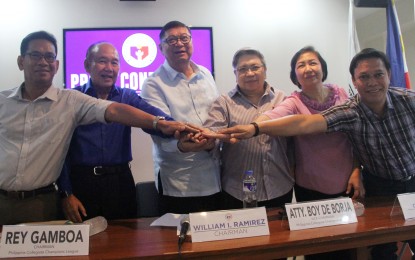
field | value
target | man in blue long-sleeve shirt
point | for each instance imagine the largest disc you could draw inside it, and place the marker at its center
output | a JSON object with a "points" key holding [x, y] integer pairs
{"points": [[96, 179]]}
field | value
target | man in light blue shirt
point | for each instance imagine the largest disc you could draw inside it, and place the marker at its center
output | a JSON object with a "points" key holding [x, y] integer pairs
{"points": [[187, 182]]}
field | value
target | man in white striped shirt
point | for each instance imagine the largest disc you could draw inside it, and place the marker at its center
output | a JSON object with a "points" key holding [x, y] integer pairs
{"points": [[265, 155]]}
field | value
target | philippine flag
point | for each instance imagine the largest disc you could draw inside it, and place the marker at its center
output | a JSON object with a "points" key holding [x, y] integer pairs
{"points": [[395, 49]]}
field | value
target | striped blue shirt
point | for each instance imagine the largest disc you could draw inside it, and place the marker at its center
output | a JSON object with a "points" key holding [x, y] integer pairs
{"points": [[265, 155], [385, 145]]}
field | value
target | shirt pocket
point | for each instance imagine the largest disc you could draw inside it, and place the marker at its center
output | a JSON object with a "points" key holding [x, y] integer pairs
{"points": [[48, 130]]}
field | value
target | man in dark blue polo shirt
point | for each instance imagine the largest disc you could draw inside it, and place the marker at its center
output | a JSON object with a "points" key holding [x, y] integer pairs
{"points": [[96, 179]]}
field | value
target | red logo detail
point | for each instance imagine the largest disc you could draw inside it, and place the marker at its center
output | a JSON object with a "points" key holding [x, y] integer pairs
{"points": [[139, 53]]}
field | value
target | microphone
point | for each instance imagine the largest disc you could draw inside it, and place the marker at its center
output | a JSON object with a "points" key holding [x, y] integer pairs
{"points": [[184, 227]]}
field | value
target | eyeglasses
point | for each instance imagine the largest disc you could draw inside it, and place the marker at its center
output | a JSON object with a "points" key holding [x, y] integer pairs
{"points": [[245, 69], [37, 56], [173, 40]]}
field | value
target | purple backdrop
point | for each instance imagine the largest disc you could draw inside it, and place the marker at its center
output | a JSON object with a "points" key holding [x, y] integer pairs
{"points": [[138, 49]]}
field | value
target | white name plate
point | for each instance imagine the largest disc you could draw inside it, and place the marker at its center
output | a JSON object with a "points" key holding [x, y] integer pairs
{"points": [[407, 202], [228, 224], [320, 213], [45, 240]]}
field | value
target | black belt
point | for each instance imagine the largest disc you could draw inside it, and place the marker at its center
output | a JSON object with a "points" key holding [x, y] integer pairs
{"points": [[28, 193], [405, 179], [101, 170]]}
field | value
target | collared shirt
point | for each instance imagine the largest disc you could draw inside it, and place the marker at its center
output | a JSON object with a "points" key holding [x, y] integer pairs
{"points": [[104, 144], [265, 155], [385, 145], [187, 100], [35, 135], [323, 162]]}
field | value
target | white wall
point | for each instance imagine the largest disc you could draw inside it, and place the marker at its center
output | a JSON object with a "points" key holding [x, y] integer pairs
{"points": [[278, 28]]}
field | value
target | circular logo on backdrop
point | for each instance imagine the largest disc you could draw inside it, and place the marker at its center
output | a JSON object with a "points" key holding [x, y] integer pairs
{"points": [[139, 50]]}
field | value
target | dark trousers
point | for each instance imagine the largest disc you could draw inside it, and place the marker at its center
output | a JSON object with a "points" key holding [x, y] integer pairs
{"points": [[186, 205], [43, 207], [112, 196], [304, 194], [230, 202], [376, 186]]}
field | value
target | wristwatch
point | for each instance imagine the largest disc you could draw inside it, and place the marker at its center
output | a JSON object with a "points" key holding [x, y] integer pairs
{"points": [[156, 120]]}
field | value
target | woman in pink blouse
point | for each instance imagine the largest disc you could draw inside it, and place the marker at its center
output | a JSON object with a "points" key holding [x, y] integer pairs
{"points": [[324, 163]]}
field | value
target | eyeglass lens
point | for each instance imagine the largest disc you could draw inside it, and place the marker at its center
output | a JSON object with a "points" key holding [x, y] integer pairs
{"points": [[253, 68], [172, 40], [37, 56]]}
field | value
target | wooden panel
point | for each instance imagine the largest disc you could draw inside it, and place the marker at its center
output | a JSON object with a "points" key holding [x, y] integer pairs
{"points": [[127, 239]]}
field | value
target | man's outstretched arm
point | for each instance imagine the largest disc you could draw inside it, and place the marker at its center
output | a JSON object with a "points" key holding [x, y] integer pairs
{"points": [[284, 126], [128, 115]]}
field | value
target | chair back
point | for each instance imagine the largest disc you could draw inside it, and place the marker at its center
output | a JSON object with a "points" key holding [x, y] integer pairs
{"points": [[147, 199]]}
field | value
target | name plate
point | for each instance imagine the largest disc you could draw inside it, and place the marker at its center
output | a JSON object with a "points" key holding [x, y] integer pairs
{"points": [[228, 224], [320, 213], [44, 240], [407, 202]]}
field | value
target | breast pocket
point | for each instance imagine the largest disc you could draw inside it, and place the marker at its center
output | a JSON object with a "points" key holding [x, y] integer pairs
{"points": [[49, 130]]}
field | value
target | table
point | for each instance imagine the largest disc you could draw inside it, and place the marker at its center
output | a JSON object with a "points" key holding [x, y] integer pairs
{"points": [[134, 238]]}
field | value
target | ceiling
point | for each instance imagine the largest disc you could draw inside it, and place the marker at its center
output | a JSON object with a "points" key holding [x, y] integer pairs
{"points": [[361, 12]]}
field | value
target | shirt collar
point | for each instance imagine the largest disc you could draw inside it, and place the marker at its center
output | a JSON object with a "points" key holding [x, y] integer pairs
{"points": [[268, 91], [172, 73], [389, 103], [17, 92], [88, 89], [51, 93]]}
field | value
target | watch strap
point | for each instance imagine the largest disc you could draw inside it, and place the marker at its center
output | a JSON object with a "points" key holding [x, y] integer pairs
{"points": [[156, 120]]}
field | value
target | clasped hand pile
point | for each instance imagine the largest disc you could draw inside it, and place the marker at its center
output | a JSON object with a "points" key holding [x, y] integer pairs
{"points": [[204, 138]]}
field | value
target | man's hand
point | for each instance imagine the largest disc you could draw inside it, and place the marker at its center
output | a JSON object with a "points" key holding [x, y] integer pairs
{"points": [[191, 128], [355, 184], [72, 207], [174, 127], [232, 134], [190, 142]]}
